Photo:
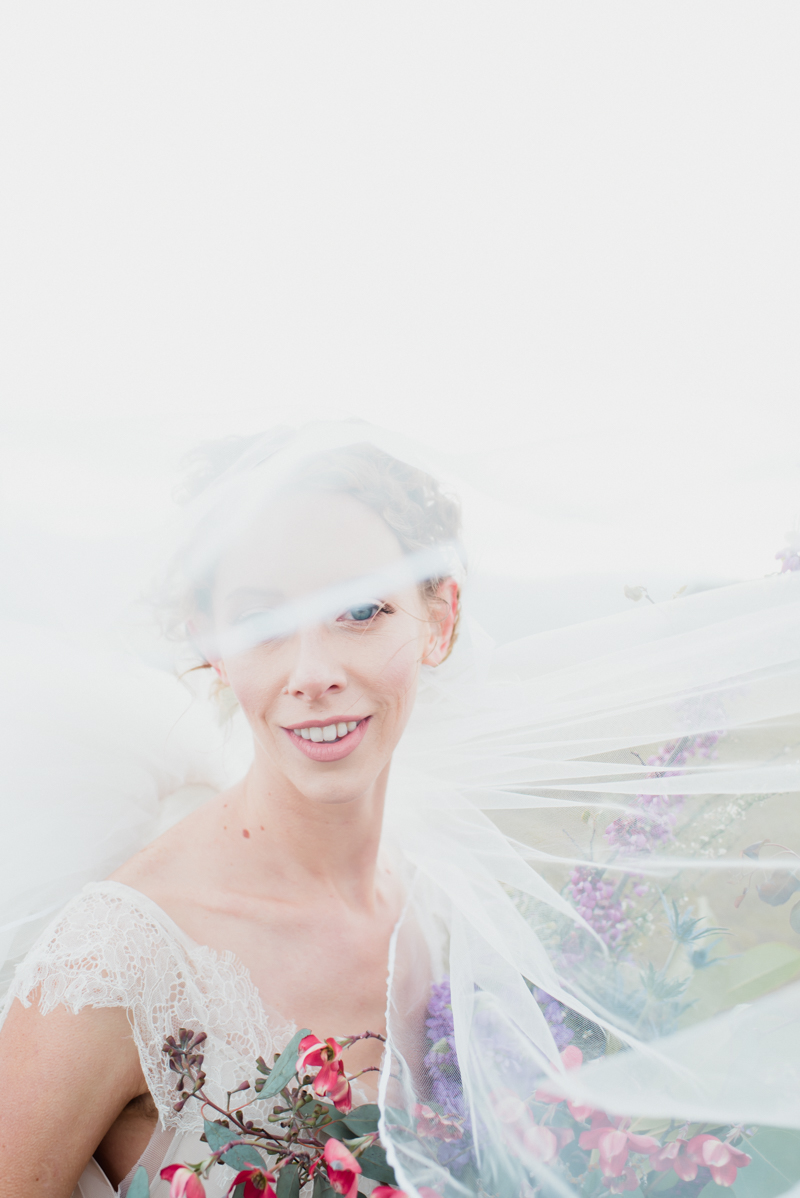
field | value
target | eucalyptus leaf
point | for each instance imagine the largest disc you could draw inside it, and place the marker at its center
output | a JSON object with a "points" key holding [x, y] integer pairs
{"points": [[238, 1157], [364, 1119], [322, 1187], [288, 1182], [338, 1130], [374, 1164], [712, 1190], [285, 1067], [794, 917], [140, 1186], [665, 1183]]}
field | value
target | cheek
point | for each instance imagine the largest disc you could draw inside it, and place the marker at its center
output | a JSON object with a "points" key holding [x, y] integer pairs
{"points": [[250, 684], [396, 676]]}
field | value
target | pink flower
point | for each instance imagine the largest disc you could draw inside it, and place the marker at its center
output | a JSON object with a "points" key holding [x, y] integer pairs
{"points": [[314, 1053], [522, 1130], [343, 1168], [326, 1055], [721, 1158], [545, 1143], [184, 1183], [614, 1144], [440, 1127], [389, 1192], [673, 1156], [258, 1183], [571, 1058]]}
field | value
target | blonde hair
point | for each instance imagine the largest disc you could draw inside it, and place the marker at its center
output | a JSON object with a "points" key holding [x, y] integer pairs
{"points": [[409, 500]]}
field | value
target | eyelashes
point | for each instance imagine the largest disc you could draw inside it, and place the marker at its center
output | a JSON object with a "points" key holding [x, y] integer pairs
{"points": [[365, 613], [361, 613]]}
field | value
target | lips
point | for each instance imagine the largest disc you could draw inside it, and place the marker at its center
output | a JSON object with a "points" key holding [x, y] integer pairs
{"points": [[328, 750]]}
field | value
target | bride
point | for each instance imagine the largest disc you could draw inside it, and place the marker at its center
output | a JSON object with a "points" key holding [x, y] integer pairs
{"points": [[319, 579], [281, 878]]}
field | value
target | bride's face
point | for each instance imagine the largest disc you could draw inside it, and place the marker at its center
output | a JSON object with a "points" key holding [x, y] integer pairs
{"points": [[327, 704]]}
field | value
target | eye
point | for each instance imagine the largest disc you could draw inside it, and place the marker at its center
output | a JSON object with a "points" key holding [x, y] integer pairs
{"points": [[362, 613], [243, 617]]}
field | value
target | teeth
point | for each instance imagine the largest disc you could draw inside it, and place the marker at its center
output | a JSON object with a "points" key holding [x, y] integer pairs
{"points": [[329, 732]]}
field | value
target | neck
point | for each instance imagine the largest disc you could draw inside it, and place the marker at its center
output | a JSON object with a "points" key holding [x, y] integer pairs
{"points": [[331, 848]]}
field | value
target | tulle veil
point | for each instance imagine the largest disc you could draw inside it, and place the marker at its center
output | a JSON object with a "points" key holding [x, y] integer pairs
{"points": [[600, 833]]}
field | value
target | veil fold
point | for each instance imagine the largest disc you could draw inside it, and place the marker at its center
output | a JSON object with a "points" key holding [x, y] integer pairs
{"points": [[601, 833]]}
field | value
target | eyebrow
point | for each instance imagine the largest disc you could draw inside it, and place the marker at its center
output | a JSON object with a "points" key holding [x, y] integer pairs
{"points": [[251, 595]]}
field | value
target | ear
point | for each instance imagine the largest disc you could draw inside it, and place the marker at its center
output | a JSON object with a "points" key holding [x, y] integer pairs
{"points": [[443, 616], [198, 639]]}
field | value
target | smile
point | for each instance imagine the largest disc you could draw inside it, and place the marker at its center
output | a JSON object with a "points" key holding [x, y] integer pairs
{"points": [[329, 742], [329, 732]]}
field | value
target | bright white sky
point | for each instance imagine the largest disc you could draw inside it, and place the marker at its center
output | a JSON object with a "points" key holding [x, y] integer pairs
{"points": [[563, 233]]}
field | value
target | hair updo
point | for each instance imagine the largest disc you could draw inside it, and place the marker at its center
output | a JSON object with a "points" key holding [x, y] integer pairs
{"points": [[409, 500]]}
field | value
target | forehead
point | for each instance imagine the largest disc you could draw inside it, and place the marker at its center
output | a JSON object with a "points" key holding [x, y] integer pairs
{"points": [[303, 541]]}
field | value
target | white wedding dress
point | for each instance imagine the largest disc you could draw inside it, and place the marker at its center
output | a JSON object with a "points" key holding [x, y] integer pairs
{"points": [[113, 947], [506, 748]]}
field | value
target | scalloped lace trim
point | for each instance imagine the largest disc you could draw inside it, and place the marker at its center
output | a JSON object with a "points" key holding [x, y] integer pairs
{"points": [[113, 947]]}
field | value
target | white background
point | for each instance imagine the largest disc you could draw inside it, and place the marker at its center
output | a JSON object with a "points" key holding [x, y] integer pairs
{"points": [[557, 240]]}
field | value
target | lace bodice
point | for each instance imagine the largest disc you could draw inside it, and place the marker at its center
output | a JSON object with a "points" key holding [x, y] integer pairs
{"points": [[111, 946]]}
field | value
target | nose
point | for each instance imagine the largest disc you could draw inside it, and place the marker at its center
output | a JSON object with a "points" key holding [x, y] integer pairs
{"points": [[315, 671]]}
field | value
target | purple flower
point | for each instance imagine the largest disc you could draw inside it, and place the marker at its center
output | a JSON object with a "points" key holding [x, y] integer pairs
{"points": [[554, 1012], [790, 556], [652, 826], [598, 902], [442, 1062]]}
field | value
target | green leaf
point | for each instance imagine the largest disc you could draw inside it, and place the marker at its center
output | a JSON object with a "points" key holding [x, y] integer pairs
{"points": [[322, 1187], [374, 1164], [665, 1182], [285, 1067], [775, 1165], [742, 978], [307, 1108], [338, 1130], [243, 1155], [140, 1186], [288, 1182], [712, 1190], [364, 1119], [238, 1157]]}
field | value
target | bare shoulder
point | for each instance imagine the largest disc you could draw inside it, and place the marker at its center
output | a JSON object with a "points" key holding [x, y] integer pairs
{"points": [[173, 860], [64, 1078]]}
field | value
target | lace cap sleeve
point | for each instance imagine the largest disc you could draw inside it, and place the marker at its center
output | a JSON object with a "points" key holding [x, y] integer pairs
{"points": [[112, 947]]}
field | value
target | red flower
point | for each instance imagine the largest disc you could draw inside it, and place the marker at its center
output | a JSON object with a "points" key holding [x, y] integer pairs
{"points": [[686, 1156], [327, 1056], [721, 1159], [343, 1168], [184, 1183], [571, 1058], [545, 1143], [673, 1156], [258, 1183], [440, 1127], [614, 1144], [391, 1192]]}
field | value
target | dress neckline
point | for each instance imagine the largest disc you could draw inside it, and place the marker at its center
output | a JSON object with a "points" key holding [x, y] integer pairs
{"points": [[222, 958]]}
